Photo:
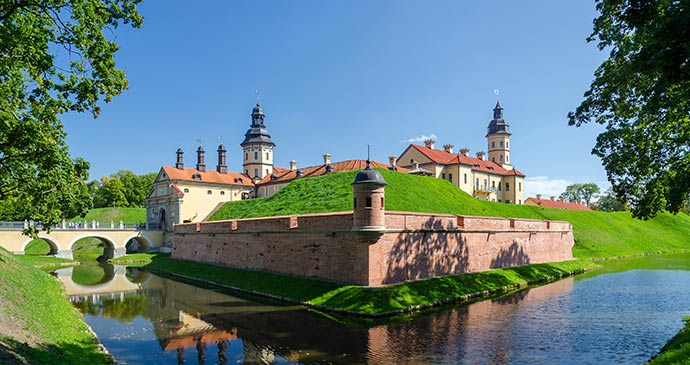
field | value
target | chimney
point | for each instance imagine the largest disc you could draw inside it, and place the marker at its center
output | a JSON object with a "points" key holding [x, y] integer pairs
{"points": [[553, 197], [293, 165], [538, 196], [200, 165], [327, 159], [464, 151], [480, 155], [448, 148], [393, 160], [429, 143], [222, 167], [179, 164]]}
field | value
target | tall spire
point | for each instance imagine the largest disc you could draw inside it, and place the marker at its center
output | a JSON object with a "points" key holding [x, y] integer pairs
{"points": [[498, 110]]}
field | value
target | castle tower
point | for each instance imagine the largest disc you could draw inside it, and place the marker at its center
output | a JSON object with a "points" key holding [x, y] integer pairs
{"points": [[257, 147], [369, 212], [498, 139]]}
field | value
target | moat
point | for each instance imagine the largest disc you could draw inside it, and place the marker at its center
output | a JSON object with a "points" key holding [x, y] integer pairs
{"points": [[622, 314]]}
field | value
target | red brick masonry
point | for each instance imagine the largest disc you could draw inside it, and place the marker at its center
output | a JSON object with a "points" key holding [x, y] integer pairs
{"points": [[413, 246]]}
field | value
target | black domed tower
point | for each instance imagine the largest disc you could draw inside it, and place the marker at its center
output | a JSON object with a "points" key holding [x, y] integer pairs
{"points": [[368, 189], [257, 147], [498, 138]]}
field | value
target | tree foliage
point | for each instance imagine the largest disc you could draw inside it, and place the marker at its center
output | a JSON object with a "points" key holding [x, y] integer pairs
{"points": [[121, 189], [55, 56], [641, 93], [609, 202], [583, 193]]}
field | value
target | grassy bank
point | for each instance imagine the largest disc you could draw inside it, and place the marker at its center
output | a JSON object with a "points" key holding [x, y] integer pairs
{"points": [[597, 234], [677, 350], [39, 326], [362, 300]]}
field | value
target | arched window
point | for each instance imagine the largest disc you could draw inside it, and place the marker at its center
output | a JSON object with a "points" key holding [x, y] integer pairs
{"points": [[186, 190], [209, 192]]}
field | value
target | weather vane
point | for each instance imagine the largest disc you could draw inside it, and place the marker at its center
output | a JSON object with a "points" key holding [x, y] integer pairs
{"points": [[257, 96], [496, 92], [368, 155]]}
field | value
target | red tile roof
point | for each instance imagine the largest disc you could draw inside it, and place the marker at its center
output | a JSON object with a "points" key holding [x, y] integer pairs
{"points": [[349, 165], [208, 176], [548, 203], [447, 158]]}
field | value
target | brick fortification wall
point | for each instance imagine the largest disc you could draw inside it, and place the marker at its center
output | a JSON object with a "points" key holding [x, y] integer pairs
{"points": [[413, 246]]}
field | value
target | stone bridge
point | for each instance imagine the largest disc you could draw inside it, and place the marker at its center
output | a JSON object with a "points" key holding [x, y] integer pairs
{"points": [[115, 237]]}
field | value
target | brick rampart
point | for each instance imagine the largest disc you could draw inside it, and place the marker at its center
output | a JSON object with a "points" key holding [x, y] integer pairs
{"points": [[413, 246]]}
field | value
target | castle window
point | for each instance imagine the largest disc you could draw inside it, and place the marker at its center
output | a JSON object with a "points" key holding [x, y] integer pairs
{"points": [[256, 172], [443, 175], [493, 144], [507, 144], [209, 192], [354, 203], [267, 156], [256, 155], [222, 193], [507, 186], [519, 186], [493, 159], [196, 177], [450, 177], [476, 184], [266, 171], [501, 144], [519, 201], [493, 185], [465, 178], [367, 203], [382, 203], [246, 172], [246, 156], [501, 158], [186, 190], [412, 161], [499, 186]]}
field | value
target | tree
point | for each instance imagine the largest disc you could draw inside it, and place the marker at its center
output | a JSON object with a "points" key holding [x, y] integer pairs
{"points": [[580, 192], [608, 202], [641, 93], [137, 187], [55, 57]]}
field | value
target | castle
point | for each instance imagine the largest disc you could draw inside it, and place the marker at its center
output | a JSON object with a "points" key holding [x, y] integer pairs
{"points": [[182, 194]]}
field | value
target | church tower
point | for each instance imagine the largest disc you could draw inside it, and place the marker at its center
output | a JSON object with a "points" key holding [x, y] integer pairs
{"points": [[257, 147], [498, 138]]}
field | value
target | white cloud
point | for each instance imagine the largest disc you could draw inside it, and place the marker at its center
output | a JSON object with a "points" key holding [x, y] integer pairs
{"points": [[545, 186], [420, 139]]}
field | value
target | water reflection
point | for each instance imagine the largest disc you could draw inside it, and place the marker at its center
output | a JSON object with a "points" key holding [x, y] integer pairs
{"points": [[611, 318]]}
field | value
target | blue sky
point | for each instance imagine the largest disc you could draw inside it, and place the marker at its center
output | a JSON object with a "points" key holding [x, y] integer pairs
{"points": [[334, 76]]}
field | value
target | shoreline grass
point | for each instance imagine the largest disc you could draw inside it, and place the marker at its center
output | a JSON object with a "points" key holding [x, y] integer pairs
{"points": [[676, 350], [39, 325], [366, 301]]}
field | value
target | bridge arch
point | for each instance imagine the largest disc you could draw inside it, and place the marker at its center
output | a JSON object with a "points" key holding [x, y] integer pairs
{"points": [[54, 244], [109, 245], [138, 243]]}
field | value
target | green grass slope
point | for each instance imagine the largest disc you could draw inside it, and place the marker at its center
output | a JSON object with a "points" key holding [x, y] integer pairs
{"points": [[597, 234], [39, 325], [677, 350], [127, 215]]}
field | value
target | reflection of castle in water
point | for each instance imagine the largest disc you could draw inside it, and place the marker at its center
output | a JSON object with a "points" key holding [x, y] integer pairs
{"points": [[198, 325]]}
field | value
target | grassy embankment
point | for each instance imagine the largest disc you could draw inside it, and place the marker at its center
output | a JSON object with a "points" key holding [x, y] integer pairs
{"points": [[126, 215], [677, 350], [38, 325]]}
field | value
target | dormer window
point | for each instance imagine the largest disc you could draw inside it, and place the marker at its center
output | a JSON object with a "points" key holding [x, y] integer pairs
{"points": [[329, 168], [196, 177]]}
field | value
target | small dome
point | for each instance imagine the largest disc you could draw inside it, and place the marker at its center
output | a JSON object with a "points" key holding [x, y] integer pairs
{"points": [[257, 109], [221, 147], [369, 176], [200, 149]]}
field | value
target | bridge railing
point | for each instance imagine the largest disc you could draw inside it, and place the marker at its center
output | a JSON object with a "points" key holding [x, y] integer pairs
{"points": [[85, 225]]}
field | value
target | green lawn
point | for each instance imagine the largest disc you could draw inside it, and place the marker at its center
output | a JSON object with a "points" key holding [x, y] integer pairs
{"points": [[597, 234], [44, 327]]}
